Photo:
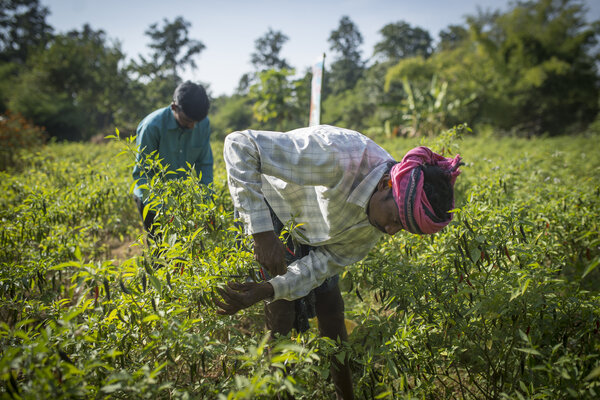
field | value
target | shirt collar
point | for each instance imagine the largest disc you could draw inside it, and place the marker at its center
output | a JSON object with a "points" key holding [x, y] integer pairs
{"points": [[172, 123], [362, 193]]}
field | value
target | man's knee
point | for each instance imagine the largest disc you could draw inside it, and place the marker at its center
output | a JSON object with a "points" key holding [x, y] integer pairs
{"points": [[329, 303]]}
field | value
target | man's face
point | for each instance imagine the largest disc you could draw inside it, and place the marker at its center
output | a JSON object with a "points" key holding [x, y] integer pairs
{"points": [[183, 120], [383, 211]]}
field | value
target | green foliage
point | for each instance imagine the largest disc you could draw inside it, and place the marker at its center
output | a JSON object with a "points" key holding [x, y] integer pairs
{"points": [[530, 70], [8, 74], [268, 47], [452, 36], [347, 68], [401, 40], [504, 303], [543, 74], [274, 105], [229, 115], [349, 109], [23, 28], [426, 107], [501, 304], [16, 135], [74, 87], [416, 70], [173, 49]]}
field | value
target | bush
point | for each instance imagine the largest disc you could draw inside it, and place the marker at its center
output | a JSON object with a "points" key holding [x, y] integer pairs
{"points": [[17, 134], [502, 304]]}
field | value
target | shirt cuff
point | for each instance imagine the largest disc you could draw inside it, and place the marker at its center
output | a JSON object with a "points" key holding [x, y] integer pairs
{"points": [[257, 221], [279, 288]]}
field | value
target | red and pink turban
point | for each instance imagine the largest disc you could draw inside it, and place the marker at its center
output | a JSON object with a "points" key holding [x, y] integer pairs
{"points": [[416, 214]]}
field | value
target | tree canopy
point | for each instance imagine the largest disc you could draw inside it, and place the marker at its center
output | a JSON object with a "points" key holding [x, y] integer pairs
{"points": [[531, 70], [23, 28], [400, 40], [347, 67], [267, 48], [173, 49]]}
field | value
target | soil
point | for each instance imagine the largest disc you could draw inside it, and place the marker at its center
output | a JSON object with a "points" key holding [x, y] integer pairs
{"points": [[121, 250]]}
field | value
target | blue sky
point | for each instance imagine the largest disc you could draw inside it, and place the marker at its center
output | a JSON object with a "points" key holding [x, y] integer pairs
{"points": [[228, 28]]}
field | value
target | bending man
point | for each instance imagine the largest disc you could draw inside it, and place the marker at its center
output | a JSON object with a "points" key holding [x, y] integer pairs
{"points": [[346, 192]]}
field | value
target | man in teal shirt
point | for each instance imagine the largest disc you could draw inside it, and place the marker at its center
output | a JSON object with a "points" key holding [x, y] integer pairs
{"points": [[179, 134]]}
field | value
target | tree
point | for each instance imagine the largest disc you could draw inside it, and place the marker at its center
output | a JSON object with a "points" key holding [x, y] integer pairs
{"points": [[246, 80], [75, 88], [545, 78], [229, 114], [452, 36], [348, 67], [267, 49], [275, 103], [364, 106], [400, 40], [23, 28], [265, 56], [173, 50]]}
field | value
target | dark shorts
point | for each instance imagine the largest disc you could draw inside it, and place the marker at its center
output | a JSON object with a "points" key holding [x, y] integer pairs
{"points": [[305, 306]]}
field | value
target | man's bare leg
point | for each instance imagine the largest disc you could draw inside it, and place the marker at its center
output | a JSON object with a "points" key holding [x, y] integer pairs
{"points": [[279, 317], [330, 313]]}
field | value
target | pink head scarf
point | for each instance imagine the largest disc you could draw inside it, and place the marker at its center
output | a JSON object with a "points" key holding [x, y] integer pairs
{"points": [[416, 213]]}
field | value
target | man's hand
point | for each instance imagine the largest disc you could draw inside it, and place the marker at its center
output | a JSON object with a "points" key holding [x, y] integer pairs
{"points": [[270, 252], [237, 296]]}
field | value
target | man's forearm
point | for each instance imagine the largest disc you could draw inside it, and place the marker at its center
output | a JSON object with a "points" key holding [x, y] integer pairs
{"points": [[267, 291], [269, 252]]}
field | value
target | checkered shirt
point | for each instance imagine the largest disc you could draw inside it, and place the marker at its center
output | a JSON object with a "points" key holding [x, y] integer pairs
{"points": [[323, 178]]}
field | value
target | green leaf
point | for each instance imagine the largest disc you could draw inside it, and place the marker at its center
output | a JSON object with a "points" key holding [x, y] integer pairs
{"points": [[111, 388], [523, 387], [157, 370], [72, 370], [530, 351], [591, 267], [155, 283], [72, 315], [525, 286], [475, 254], [145, 212], [65, 265], [151, 317], [111, 316], [77, 253], [595, 374], [132, 186], [341, 357]]}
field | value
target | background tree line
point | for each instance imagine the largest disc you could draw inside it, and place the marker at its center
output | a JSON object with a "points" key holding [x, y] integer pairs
{"points": [[532, 70]]}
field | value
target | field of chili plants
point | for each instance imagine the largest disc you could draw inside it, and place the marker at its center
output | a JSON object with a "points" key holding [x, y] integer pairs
{"points": [[503, 304]]}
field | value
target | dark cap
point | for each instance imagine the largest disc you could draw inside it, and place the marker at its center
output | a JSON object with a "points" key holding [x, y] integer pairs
{"points": [[192, 99]]}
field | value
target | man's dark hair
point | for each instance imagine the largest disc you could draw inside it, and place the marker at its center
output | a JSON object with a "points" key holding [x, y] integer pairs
{"points": [[438, 190], [437, 187], [192, 99]]}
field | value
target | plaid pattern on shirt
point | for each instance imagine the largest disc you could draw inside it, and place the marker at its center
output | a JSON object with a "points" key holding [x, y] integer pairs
{"points": [[323, 177]]}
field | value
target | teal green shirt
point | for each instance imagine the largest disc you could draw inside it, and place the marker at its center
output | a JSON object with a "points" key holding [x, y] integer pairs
{"points": [[160, 132]]}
